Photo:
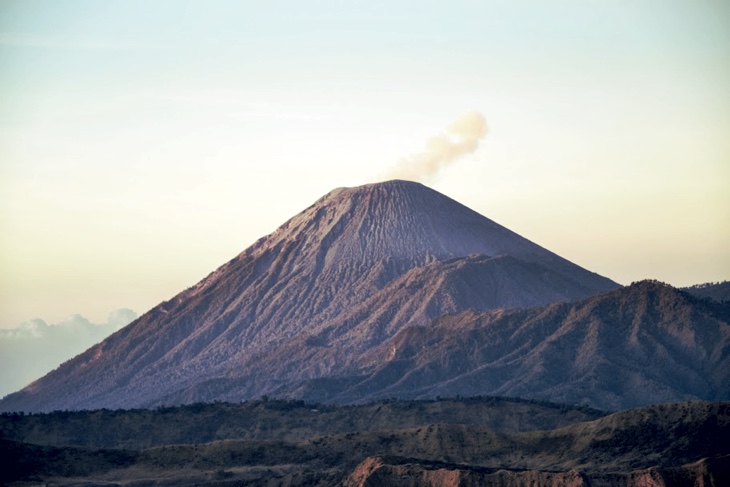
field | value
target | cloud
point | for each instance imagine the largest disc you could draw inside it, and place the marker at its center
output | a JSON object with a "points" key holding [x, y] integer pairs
{"points": [[462, 137], [34, 348]]}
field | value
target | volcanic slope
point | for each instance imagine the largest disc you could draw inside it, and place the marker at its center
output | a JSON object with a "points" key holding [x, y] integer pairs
{"points": [[643, 344], [347, 273]]}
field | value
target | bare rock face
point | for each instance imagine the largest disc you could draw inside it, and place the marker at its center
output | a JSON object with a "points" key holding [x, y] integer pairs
{"points": [[706, 472], [395, 471], [342, 277]]}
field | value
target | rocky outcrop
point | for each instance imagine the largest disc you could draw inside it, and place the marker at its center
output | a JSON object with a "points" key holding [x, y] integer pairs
{"points": [[396, 471], [707, 472]]}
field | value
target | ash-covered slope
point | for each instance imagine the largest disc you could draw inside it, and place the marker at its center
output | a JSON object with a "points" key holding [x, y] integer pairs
{"points": [[345, 274], [644, 344]]}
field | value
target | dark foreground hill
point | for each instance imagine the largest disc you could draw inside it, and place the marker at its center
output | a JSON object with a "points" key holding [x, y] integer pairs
{"points": [[272, 419], [335, 281], [666, 445]]}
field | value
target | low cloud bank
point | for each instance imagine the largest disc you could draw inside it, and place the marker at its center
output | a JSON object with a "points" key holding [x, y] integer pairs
{"points": [[34, 348]]}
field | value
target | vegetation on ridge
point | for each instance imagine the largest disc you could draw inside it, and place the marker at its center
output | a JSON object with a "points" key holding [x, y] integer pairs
{"points": [[274, 419], [666, 436]]}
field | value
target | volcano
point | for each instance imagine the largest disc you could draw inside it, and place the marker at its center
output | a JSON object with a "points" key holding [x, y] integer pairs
{"points": [[329, 286]]}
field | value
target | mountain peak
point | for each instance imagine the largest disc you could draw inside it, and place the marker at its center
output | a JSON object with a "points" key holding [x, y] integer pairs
{"points": [[340, 277], [398, 219], [389, 186]]}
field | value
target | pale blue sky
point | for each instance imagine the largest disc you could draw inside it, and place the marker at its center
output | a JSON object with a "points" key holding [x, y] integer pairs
{"points": [[142, 144]]}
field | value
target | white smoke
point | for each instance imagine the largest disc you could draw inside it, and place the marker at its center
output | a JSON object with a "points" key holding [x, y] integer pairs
{"points": [[462, 137], [34, 348]]}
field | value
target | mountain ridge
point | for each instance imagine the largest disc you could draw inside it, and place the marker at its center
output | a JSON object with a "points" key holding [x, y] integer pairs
{"points": [[642, 344], [348, 272]]}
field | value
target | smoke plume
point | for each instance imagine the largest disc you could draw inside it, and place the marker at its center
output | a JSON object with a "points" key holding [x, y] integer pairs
{"points": [[462, 137]]}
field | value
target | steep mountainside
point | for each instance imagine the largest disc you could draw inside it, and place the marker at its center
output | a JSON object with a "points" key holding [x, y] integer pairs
{"points": [[719, 291], [643, 344], [349, 272]]}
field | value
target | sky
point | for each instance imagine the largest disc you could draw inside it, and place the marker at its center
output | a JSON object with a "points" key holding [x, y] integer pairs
{"points": [[143, 144]]}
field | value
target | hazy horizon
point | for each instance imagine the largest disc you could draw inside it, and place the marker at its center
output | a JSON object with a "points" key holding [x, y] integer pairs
{"points": [[34, 348], [145, 144]]}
